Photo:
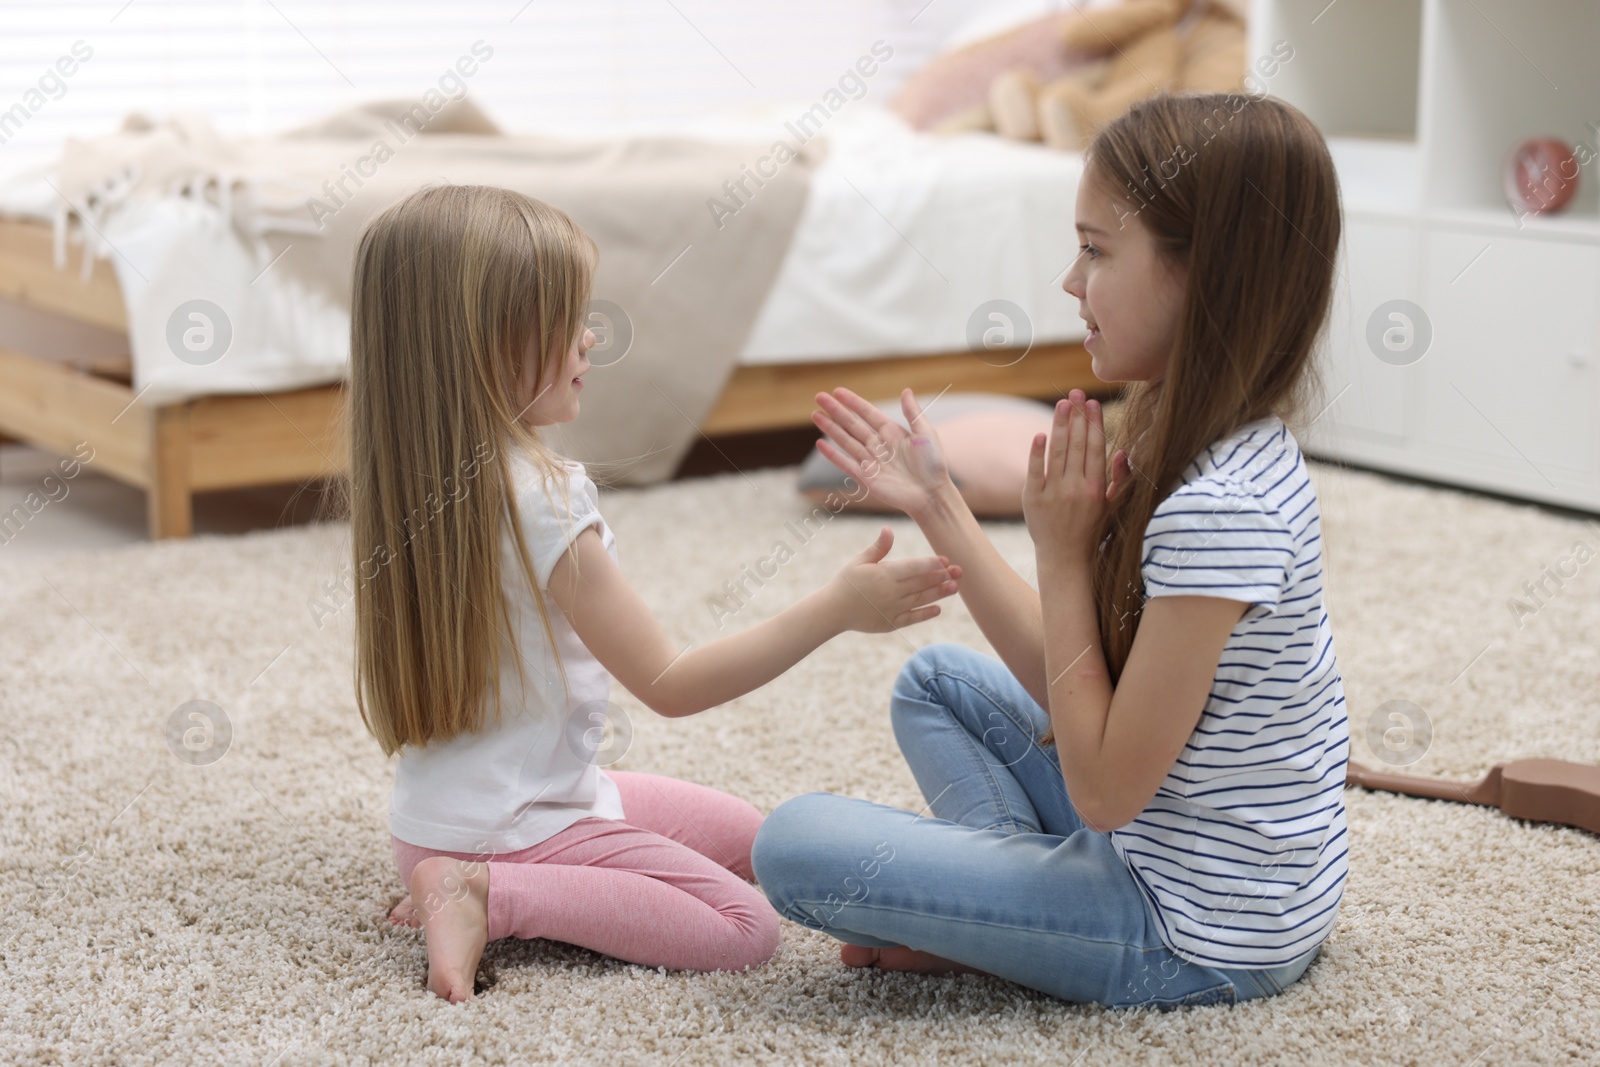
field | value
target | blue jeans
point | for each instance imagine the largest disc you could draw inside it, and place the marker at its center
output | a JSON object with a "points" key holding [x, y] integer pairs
{"points": [[1003, 876]]}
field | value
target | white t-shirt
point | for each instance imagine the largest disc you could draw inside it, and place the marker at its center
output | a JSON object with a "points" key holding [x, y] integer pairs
{"points": [[1242, 851], [511, 786]]}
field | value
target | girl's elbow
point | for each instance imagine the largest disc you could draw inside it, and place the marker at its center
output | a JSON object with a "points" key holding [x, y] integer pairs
{"points": [[664, 708], [1103, 825], [1102, 817], [670, 705], [673, 711], [1090, 818], [1100, 803]]}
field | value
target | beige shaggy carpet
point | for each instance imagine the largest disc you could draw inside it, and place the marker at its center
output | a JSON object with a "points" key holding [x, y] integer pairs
{"points": [[159, 912]]}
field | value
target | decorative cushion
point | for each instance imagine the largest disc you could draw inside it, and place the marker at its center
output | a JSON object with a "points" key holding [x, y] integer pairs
{"points": [[951, 93]]}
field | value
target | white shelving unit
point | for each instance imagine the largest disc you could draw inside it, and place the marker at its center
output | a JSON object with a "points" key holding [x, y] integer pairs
{"points": [[1421, 102]]}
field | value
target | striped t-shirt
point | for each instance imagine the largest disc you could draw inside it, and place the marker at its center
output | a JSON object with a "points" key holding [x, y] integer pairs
{"points": [[1242, 851]]}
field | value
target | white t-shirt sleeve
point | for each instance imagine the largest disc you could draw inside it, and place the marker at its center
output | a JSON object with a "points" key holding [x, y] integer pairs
{"points": [[1213, 537], [549, 523]]}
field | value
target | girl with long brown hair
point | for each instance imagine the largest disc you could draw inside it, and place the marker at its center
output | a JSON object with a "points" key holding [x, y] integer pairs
{"points": [[1141, 800], [467, 335]]}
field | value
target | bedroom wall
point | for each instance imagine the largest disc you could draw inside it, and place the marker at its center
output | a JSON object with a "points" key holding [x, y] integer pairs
{"points": [[574, 66]]}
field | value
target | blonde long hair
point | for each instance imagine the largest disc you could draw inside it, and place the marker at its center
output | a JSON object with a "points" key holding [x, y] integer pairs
{"points": [[452, 284], [1251, 208]]}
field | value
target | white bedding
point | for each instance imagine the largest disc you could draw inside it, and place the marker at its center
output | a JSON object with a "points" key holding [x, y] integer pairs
{"points": [[903, 237]]}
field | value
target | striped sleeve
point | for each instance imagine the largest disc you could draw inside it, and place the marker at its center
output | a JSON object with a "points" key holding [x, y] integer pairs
{"points": [[1218, 538]]}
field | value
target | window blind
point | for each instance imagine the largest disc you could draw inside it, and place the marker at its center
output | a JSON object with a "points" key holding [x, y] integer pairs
{"points": [[557, 66]]}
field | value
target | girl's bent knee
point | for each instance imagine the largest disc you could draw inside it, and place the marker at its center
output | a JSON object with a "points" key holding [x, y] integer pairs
{"points": [[912, 685], [927, 660], [764, 938], [800, 841], [815, 846], [756, 933], [784, 835]]}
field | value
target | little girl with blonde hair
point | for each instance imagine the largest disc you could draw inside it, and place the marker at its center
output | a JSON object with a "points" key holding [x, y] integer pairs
{"points": [[467, 335]]}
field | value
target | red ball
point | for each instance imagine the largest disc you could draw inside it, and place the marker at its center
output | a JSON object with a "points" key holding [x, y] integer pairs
{"points": [[1541, 176]]}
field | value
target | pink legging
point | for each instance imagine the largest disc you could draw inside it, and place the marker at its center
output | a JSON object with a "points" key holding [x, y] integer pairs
{"points": [[667, 888]]}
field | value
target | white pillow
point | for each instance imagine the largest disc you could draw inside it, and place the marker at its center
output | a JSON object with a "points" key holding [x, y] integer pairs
{"points": [[996, 18]]}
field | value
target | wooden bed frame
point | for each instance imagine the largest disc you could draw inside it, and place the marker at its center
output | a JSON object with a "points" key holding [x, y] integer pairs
{"points": [[228, 441]]}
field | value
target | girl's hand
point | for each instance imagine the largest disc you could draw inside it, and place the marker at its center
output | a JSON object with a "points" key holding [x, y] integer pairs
{"points": [[902, 470], [876, 596], [1066, 494]]}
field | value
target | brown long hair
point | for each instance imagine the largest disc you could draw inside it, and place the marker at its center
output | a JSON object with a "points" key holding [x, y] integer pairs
{"points": [[452, 284], [1252, 209]]}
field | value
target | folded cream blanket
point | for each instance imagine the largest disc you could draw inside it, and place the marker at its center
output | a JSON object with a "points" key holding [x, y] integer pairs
{"points": [[260, 233]]}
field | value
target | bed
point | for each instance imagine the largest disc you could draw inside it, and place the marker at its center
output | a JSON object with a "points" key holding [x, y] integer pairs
{"points": [[903, 243]]}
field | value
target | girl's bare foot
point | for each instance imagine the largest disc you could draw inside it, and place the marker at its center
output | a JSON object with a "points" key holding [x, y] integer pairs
{"points": [[405, 913], [452, 901], [900, 958]]}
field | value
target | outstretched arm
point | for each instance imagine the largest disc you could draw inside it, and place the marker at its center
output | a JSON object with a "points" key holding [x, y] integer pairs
{"points": [[908, 471], [869, 594]]}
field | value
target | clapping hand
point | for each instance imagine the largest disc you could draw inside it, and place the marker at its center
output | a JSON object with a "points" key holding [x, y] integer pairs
{"points": [[1066, 495], [901, 469], [875, 595]]}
